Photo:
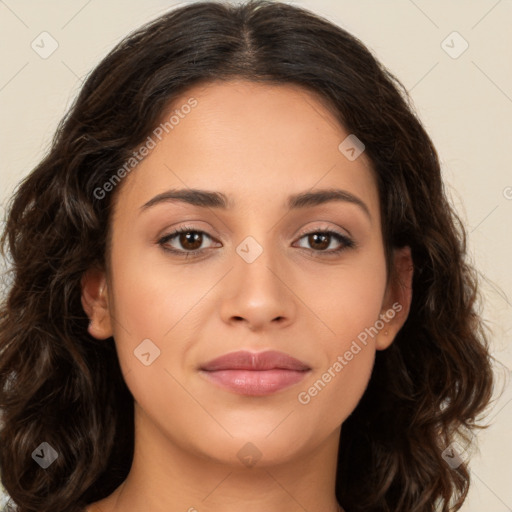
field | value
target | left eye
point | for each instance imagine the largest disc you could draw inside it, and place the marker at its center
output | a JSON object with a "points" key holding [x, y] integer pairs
{"points": [[191, 241], [321, 240]]}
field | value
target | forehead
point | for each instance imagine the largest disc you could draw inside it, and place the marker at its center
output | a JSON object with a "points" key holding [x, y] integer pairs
{"points": [[252, 141]]}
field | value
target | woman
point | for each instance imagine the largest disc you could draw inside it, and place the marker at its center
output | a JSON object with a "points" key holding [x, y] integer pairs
{"points": [[238, 282]]}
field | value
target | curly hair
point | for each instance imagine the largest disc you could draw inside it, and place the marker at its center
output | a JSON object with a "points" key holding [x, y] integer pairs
{"points": [[60, 385]]}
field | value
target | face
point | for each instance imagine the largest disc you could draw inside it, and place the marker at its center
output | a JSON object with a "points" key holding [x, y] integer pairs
{"points": [[259, 267]]}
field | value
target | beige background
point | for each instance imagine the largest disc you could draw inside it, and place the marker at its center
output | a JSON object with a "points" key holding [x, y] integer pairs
{"points": [[464, 102]]}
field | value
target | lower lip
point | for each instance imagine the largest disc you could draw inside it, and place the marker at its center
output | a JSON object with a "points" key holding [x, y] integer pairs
{"points": [[255, 382]]}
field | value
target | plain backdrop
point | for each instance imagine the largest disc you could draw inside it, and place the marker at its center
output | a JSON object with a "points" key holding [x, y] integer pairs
{"points": [[455, 59]]}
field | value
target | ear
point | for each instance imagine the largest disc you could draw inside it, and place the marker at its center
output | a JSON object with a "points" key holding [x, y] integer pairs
{"points": [[95, 303], [397, 299]]}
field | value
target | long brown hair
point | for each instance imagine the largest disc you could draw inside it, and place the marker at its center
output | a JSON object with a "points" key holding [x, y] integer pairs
{"points": [[61, 386]]}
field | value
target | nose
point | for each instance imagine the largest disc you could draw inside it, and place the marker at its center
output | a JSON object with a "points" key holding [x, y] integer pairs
{"points": [[259, 293]]}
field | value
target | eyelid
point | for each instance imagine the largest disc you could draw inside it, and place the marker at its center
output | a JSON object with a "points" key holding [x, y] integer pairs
{"points": [[308, 231]]}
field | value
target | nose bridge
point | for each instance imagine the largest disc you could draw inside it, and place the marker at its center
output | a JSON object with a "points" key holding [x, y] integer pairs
{"points": [[256, 261], [259, 295]]}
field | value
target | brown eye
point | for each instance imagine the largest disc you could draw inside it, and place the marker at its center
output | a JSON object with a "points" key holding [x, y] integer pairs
{"points": [[185, 241], [319, 241]]}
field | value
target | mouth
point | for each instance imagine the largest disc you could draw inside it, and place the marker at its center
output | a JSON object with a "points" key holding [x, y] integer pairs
{"points": [[255, 374]]}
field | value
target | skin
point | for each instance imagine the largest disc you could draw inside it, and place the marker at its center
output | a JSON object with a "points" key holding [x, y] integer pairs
{"points": [[257, 144]]}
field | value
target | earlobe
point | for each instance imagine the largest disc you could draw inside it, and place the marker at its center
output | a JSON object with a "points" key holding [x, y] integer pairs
{"points": [[95, 303], [398, 297]]}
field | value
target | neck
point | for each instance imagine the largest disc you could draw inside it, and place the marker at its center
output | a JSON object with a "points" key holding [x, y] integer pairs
{"points": [[165, 476]]}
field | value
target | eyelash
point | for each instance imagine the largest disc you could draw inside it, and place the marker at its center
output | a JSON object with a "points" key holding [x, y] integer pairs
{"points": [[346, 242]]}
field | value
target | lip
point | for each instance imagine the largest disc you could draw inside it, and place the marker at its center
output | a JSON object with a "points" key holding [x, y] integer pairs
{"points": [[255, 374], [245, 360]]}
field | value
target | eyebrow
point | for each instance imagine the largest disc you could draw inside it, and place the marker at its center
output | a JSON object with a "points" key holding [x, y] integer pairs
{"points": [[210, 199]]}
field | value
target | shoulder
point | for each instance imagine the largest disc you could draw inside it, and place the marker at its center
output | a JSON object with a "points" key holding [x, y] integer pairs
{"points": [[6, 504]]}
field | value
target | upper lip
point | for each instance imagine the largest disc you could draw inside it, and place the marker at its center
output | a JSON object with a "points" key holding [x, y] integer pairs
{"points": [[244, 360]]}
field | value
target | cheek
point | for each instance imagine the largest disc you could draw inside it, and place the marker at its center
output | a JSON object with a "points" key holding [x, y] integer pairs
{"points": [[349, 304], [164, 303], [348, 299], [150, 294], [337, 388], [351, 309], [143, 308], [152, 310]]}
